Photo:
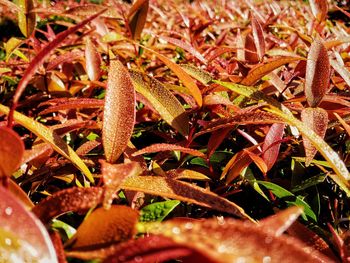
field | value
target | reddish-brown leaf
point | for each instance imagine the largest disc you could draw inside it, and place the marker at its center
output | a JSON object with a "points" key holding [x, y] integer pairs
{"points": [[22, 196], [104, 227], [71, 103], [258, 36], [73, 199], [119, 111], [317, 73], [92, 60], [319, 9], [166, 187], [137, 17], [11, 151], [114, 175], [271, 149], [216, 139], [229, 240], [250, 53], [22, 235], [57, 243], [161, 147], [39, 59], [26, 18], [317, 120], [260, 70]]}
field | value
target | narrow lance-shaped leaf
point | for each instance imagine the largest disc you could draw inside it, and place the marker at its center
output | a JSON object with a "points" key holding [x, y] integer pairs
{"points": [[317, 73], [166, 187], [93, 60], [50, 137], [167, 105], [258, 36], [22, 235], [39, 60], [11, 151], [270, 148], [137, 17], [317, 120], [26, 18], [160, 147], [119, 111], [319, 9]]}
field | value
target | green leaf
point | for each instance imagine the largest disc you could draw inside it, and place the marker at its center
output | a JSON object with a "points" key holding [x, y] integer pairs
{"points": [[309, 182], [158, 211], [68, 230], [289, 198]]}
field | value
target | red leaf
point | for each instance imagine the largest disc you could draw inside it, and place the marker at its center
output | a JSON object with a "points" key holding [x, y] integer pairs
{"points": [[39, 60], [317, 73], [119, 111], [161, 147], [250, 54], [11, 151], [258, 36], [216, 139], [73, 199], [317, 120], [70, 103], [319, 9], [23, 237], [270, 153]]}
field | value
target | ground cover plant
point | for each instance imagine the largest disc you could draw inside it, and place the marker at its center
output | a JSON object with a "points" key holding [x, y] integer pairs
{"points": [[174, 131]]}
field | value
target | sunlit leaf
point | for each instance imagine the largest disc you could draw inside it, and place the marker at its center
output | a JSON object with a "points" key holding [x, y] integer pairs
{"points": [[26, 18], [181, 74], [105, 227], [11, 151], [181, 174], [119, 111], [196, 73], [93, 60], [260, 70], [160, 147], [39, 59], [167, 105], [317, 120], [319, 9], [71, 103], [317, 73], [271, 149], [289, 197], [250, 54], [114, 175], [22, 236], [73, 199], [157, 211], [229, 240], [258, 36], [137, 17], [50, 137], [166, 187]]}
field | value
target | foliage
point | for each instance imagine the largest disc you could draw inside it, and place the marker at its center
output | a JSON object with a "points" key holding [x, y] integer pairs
{"points": [[174, 130]]}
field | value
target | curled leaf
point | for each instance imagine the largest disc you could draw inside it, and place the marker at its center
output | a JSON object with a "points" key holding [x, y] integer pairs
{"points": [[317, 120], [317, 73], [119, 111], [167, 105], [28, 243], [11, 151], [137, 17]]}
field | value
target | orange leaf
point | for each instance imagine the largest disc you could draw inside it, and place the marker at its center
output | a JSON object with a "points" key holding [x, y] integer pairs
{"points": [[22, 235], [319, 9], [166, 187], [119, 111], [257, 72], [137, 17], [114, 175], [317, 120], [105, 227], [317, 73], [161, 147], [11, 151], [250, 53], [93, 60]]}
